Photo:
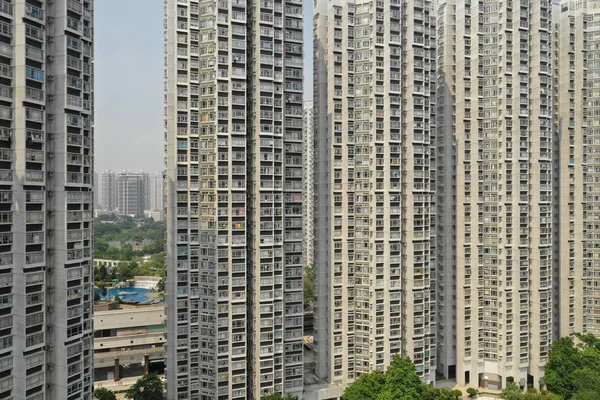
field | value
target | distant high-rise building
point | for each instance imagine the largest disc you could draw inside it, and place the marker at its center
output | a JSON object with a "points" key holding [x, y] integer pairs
{"points": [[374, 102], [157, 196], [97, 190], [309, 192], [146, 188], [495, 188], [234, 198], [109, 190], [46, 200], [131, 193]]}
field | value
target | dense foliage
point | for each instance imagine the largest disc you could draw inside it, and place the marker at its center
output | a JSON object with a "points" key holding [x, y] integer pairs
{"points": [[104, 394], [399, 382], [513, 392], [309, 285], [148, 387], [125, 229], [573, 369]]}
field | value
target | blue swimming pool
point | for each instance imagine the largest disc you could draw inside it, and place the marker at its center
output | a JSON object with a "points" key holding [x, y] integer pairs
{"points": [[127, 294]]}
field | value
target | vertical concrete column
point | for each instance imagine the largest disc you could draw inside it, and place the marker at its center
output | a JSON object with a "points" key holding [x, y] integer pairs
{"points": [[146, 363], [117, 369]]}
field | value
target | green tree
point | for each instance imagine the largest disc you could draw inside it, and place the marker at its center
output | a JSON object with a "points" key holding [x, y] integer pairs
{"points": [[563, 361], [401, 381], [117, 298], [573, 368], [366, 387], [586, 395], [100, 273], [101, 245], [431, 393], [104, 394], [512, 392], [279, 396], [127, 270], [472, 392], [309, 284], [148, 387], [457, 394], [96, 296], [160, 287], [587, 379]]}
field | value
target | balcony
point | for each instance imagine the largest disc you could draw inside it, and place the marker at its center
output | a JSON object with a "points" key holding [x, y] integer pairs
{"points": [[6, 113], [34, 217], [34, 115], [34, 238], [34, 53], [35, 156], [74, 102], [6, 92], [35, 135], [74, 254], [34, 176], [6, 29], [34, 258], [35, 13], [6, 8], [6, 259], [34, 94]]}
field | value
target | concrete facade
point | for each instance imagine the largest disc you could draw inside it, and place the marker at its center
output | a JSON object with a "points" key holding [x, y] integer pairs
{"points": [[234, 198], [577, 98], [374, 213], [495, 191], [46, 200], [309, 190], [130, 336]]}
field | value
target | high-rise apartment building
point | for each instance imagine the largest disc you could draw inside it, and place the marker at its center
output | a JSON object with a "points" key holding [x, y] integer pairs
{"points": [[156, 200], [131, 193], [577, 100], [308, 150], [495, 191], [234, 198], [46, 200], [108, 195], [97, 189], [374, 94]]}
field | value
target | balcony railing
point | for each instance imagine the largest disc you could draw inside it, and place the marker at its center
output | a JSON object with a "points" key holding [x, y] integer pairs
{"points": [[34, 176], [34, 257], [34, 53]]}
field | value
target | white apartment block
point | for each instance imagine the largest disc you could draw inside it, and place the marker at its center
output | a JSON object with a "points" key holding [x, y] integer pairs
{"points": [[131, 193], [577, 79], [156, 201], [234, 198], [108, 187], [46, 199], [374, 210], [97, 190], [308, 150], [495, 191]]}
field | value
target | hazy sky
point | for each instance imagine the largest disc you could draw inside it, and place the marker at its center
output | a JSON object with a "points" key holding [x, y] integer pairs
{"points": [[129, 72]]}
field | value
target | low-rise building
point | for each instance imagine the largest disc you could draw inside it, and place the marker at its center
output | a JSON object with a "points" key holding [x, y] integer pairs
{"points": [[128, 341]]}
